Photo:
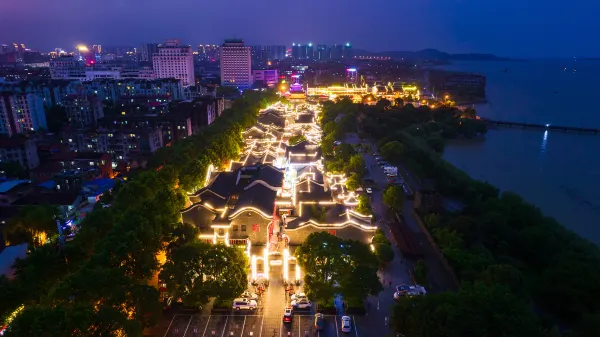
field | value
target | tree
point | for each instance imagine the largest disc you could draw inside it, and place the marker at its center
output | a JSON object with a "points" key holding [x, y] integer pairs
{"points": [[364, 205], [436, 143], [352, 182], [384, 253], [328, 260], [492, 311], [393, 197], [380, 238], [420, 272], [34, 225], [198, 271], [356, 165], [392, 151], [383, 104]]}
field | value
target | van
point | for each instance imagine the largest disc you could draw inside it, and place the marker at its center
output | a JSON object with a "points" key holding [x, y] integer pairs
{"points": [[244, 304]]}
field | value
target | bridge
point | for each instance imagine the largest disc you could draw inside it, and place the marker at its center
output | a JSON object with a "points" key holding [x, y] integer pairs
{"points": [[542, 126]]}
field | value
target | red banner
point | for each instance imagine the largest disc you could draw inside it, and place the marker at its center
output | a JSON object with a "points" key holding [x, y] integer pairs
{"points": [[331, 231], [256, 228]]}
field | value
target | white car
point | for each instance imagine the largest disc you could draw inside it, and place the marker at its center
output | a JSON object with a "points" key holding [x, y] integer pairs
{"points": [[302, 303], [346, 324], [244, 304], [369, 190], [409, 291], [298, 296], [247, 294]]}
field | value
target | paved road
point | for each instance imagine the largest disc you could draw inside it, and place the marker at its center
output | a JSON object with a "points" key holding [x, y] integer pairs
{"points": [[250, 325], [438, 279]]}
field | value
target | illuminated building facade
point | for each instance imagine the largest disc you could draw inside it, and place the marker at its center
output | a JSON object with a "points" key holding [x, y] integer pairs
{"points": [[21, 113], [174, 60], [209, 52], [236, 64], [67, 68], [267, 77]]}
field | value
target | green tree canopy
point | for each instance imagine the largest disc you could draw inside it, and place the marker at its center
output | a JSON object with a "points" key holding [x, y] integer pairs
{"points": [[328, 260], [353, 182], [393, 197], [392, 151]]}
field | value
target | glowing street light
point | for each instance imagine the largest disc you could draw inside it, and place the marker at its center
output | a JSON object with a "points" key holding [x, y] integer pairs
{"points": [[82, 48]]}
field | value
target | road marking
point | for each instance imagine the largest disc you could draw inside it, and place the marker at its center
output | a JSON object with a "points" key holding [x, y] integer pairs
{"points": [[355, 327], [337, 333], [169, 327], [206, 327], [262, 323], [224, 326], [243, 326], [299, 326], [377, 304], [188, 325]]}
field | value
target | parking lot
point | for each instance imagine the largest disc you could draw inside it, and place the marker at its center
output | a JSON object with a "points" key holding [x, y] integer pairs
{"points": [[302, 325]]}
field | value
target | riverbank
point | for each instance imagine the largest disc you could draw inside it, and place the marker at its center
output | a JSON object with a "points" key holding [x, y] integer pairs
{"points": [[504, 250]]}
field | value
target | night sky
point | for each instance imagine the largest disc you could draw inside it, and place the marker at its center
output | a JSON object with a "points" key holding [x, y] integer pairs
{"points": [[513, 28]]}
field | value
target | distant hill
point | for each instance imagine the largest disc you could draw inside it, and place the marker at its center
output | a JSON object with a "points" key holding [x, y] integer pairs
{"points": [[434, 54]]}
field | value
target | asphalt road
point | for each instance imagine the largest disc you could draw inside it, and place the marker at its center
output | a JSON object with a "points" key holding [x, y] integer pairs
{"points": [[302, 325]]}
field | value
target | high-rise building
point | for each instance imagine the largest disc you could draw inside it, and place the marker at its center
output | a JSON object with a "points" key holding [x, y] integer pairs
{"points": [[295, 51], [209, 52], [275, 52], [347, 51], [337, 51], [323, 52], [236, 69], [147, 51], [83, 110], [97, 49], [67, 68], [259, 56], [173, 60], [310, 51], [302, 51], [20, 150], [20, 113]]}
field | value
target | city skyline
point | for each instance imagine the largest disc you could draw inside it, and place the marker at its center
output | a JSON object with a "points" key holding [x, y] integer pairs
{"points": [[504, 29]]}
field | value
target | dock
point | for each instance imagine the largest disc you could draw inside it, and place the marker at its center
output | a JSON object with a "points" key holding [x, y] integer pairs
{"points": [[549, 127]]}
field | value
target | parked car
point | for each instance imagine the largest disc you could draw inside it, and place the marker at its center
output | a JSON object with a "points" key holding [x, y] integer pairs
{"points": [[346, 325], [369, 190], [287, 315], [409, 291], [247, 294], [298, 296], [244, 304], [302, 303], [319, 322]]}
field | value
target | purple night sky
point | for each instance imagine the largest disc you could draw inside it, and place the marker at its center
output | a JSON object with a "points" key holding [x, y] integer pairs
{"points": [[514, 28]]}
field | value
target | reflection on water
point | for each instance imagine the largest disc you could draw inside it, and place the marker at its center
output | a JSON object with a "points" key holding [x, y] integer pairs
{"points": [[561, 178], [544, 142]]}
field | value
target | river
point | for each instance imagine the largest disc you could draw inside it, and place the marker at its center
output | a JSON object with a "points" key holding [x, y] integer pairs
{"points": [[559, 172]]}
